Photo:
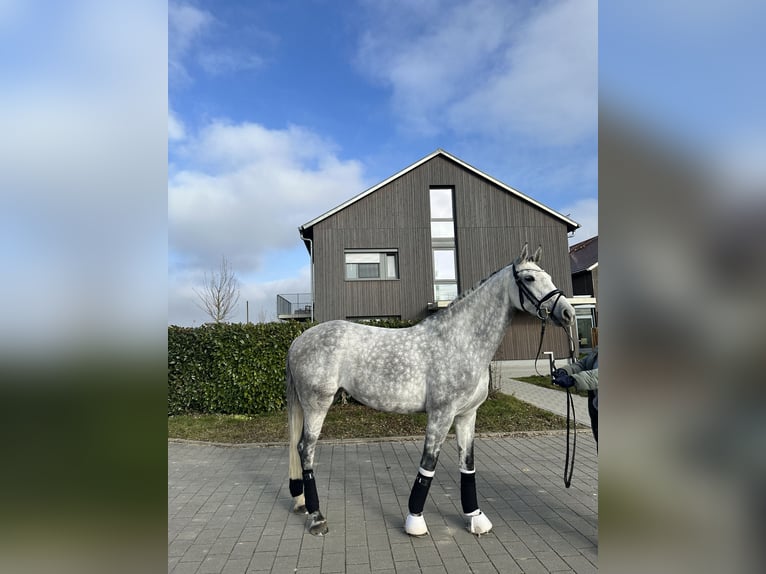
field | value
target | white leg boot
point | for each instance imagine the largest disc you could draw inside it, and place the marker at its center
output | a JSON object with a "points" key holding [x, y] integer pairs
{"points": [[415, 525], [480, 524]]}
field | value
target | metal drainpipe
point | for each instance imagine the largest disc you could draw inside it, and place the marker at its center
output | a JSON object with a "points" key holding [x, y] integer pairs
{"points": [[311, 255]]}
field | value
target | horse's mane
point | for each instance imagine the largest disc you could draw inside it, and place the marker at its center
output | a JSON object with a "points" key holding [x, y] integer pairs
{"points": [[476, 287], [455, 303]]}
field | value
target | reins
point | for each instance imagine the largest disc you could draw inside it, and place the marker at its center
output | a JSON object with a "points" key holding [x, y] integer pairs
{"points": [[568, 463], [568, 478], [570, 404]]}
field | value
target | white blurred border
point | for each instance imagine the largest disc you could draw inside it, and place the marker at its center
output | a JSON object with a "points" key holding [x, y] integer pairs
{"points": [[83, 174], [682, 277]]}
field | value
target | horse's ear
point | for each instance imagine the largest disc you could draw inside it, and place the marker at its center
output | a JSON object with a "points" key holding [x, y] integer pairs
{"points": [[538, 253], [524, 253]]}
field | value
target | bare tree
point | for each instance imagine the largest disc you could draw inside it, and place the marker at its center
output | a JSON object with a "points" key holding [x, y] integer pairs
{"points": [[220, 293]]}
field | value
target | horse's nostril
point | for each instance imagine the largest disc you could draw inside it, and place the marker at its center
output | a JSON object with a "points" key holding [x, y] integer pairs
{"points": [[568, 315]]}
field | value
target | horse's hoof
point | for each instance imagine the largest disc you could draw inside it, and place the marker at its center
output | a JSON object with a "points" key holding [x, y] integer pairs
{"points": [[415, 525], [319, 528], [318, 525], [480, 524], [300, 509]]}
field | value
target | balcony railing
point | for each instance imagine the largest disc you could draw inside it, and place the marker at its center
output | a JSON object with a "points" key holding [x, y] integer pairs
{"points": [[296, 306]]}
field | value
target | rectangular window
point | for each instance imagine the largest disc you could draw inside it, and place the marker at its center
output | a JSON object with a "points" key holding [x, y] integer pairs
{"points": [[445, 291], [584, 331], [392, 271], [354, 257], [368, 271], [366, 265], [585, 324], [442, 230], [444, 265], [441, 203]]}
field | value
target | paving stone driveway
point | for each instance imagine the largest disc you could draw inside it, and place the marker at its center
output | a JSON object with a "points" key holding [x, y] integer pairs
{"points": [[229, 509]]}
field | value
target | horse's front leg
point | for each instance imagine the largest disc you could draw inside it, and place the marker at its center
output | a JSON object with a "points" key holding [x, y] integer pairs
{"points": [[436, 432], [464, 429]]}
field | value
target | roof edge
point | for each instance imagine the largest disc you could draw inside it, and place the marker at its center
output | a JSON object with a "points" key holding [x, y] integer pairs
{"points": [[569, 222], [368, 191]]}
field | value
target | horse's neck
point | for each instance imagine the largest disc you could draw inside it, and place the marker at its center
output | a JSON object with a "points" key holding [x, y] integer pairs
{"points": [[487, 312]]}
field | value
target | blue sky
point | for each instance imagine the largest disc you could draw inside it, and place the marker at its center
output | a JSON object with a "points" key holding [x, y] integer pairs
{"points": [[279, 111]]}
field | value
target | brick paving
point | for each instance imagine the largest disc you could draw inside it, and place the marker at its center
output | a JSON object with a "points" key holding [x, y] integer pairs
{"points": [[229, 509]]}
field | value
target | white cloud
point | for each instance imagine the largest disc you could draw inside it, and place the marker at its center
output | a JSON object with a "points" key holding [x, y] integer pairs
{"points": [[176, 129], [259, 295], [202, 38], [186, 24], [491, 68], [250, 189], [425, 62], [546, 86]]}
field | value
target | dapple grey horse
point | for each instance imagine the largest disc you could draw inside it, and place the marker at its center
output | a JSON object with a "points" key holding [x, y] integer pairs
{"points": [[438, 366]]}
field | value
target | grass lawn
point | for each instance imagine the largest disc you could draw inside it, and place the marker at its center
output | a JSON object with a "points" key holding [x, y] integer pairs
{"points": [[546, 382], [500, 414]]}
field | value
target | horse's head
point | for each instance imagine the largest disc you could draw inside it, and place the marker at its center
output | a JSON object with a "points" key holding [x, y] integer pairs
{"points": [[536, 292]]}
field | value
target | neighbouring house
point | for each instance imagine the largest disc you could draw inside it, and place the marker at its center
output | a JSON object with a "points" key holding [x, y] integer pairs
{"points": [[409, 245], [583, 258]]}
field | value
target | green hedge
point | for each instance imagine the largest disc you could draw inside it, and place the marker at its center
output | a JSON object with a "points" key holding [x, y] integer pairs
{"points": [[229, 368], [232, 368]]}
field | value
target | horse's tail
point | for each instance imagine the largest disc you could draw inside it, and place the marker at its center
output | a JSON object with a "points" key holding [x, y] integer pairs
{"points": [[295, 431]]}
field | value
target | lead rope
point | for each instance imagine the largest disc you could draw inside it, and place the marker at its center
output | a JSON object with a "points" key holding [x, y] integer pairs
{"points": [[540, 347], [570, 403], [568, 464], [568, 479], [570, 400]]}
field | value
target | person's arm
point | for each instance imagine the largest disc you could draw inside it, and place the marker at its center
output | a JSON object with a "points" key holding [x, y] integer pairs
{"points": [[571, 369], [583, 374], [586, 380]]}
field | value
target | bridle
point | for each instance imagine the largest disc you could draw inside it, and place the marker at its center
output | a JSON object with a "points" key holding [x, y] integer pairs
{"points": [[543, 314]]}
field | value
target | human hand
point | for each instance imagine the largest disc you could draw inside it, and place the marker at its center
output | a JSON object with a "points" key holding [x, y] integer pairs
{"points": [[563, 379]]}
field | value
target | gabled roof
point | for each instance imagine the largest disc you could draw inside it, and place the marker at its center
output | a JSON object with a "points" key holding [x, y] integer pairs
{"points": [[583, 256], [571, 225]]}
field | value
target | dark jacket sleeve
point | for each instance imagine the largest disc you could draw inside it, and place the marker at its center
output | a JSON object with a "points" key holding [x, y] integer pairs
{"points": [[585, 372]]}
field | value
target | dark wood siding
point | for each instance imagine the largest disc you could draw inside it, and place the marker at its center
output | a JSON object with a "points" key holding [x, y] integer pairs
{"points": [[491, 226]]}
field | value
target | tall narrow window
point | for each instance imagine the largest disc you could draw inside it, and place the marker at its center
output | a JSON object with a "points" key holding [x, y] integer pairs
{"points": [[442, 222], [443, 244]]}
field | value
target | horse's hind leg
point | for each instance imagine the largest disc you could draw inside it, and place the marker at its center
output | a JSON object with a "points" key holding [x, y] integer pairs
{"points": [[436, 432], [464, 429], [312, 425]]}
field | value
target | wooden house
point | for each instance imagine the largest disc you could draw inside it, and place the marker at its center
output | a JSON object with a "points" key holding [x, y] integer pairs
{"points": [[409, 245]]}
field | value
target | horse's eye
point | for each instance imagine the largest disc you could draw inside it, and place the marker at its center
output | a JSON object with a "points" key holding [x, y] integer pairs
{"points": [[529, 279]]}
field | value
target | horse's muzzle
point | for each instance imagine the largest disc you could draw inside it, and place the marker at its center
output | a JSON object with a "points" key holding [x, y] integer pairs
{"points": [[562, 313], [565, 315]]}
